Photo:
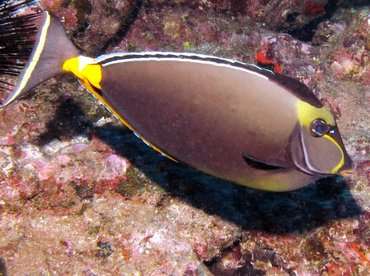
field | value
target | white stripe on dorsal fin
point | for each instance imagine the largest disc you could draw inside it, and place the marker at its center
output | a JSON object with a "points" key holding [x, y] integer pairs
{"points": [[109, 59]]}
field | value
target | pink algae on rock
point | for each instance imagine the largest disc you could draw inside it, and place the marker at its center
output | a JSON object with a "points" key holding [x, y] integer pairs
{"points": [[79, 194], [351, 60]]}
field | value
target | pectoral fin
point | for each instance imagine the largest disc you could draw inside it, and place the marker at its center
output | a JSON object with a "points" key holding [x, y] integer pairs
{"points": [[258, 164]]}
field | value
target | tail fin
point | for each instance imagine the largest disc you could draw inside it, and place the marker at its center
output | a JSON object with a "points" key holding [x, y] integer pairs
{"points": [[52, 48], [18, 30]]}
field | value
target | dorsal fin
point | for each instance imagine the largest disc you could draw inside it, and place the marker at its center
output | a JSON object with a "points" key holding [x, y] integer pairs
{"points": [[294, 86], [300, 90]]}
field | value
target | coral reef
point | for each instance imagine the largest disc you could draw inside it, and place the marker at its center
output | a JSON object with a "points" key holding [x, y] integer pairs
{"points": [[79, 194]]}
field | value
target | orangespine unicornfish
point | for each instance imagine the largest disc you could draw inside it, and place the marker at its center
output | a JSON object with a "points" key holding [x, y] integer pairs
{"points": [[232, 120]]}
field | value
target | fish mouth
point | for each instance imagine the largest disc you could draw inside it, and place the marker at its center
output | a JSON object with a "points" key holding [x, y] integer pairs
{"points": [[348, 167], [346, 173]]}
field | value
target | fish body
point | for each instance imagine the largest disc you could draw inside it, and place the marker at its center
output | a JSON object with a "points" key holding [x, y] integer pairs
{"points": [[232, 120]]}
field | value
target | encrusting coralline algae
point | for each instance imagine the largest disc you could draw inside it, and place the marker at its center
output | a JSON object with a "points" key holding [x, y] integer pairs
{"points": [[69, 193]]}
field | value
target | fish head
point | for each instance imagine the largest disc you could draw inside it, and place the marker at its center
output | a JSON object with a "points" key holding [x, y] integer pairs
{"points": [[316, 146]]}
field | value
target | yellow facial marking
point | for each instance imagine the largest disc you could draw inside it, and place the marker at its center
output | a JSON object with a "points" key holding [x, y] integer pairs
{"points": [[306, 113], [341, 162]]}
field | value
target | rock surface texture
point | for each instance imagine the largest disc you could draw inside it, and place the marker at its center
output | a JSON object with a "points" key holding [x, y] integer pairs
{"points": [[81, 195]]}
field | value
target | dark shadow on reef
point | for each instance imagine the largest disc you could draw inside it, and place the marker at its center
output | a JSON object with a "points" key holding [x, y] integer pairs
{"points": [[307, 208], [69, 120], [296, 211]]}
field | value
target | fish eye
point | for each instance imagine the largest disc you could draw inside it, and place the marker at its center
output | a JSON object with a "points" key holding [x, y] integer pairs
{"points": [[319, 127]]}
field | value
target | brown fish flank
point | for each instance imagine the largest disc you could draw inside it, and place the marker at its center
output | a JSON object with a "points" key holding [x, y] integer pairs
{"points": [[204, 115]]}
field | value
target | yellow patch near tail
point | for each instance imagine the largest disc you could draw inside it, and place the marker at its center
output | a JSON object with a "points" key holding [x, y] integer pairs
{"points": [[84, 68], [89, 72]]}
